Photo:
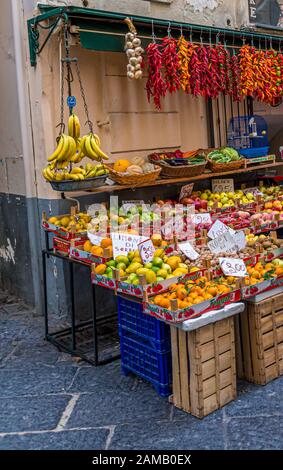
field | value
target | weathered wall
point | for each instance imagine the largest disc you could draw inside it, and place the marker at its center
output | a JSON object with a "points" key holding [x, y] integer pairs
{"points": [[228, 12]]}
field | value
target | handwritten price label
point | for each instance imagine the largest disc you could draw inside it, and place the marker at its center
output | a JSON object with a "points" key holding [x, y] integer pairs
{"points": [[223, 186], [240, 240], [233, 267], [188, 250], [95, 239], [198, 219], [123, 243], [218, 229], [186, 191], [146, 250], [223, 244]]}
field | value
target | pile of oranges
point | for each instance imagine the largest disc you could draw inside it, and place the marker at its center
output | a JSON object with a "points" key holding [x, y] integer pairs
{"points": [[262, 272], [97, 250], [194, 292]]}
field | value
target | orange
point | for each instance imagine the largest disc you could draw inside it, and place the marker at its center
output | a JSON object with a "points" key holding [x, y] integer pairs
{"points": [[165, 303], [199, 300], [212, 291], [88, 246], [193, 295], [278, 271], [158, 299], [181, 293], [97, 251], [121, 166], [173, 296], [100, 269], [268, 266], [106, 243]]}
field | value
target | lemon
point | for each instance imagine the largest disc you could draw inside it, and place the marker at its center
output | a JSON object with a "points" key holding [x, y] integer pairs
{"points": [[150, 277]]}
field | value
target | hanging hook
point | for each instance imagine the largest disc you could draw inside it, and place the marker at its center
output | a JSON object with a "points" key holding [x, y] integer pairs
{"points": [[259, 43], [181, 30], [252, 41], [270, 43], [265, 41], [217, 37], [210, 38], [169, 30], [152, 32], [201, 38], [280, 42], [191, 34]]}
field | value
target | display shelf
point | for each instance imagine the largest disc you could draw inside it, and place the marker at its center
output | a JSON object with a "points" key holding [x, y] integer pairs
{"points": [[170, 181]]}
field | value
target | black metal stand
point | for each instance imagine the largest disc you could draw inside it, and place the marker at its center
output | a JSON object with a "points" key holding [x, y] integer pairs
{"points": [[58, 338]]}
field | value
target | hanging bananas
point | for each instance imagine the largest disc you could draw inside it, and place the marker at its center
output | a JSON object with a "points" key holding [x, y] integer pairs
{"points": [[76, 174], [91, 148], [74, 127]]}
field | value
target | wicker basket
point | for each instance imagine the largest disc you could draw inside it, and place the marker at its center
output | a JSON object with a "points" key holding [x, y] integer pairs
{"points": [[133, 180], [183, 171], [222, 167]]}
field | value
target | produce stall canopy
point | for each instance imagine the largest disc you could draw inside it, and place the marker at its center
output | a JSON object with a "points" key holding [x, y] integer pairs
{"points": [[104, 31]]}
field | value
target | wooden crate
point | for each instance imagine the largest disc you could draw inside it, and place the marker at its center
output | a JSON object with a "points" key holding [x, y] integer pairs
{"points": [[260, 341], [204, 367]]}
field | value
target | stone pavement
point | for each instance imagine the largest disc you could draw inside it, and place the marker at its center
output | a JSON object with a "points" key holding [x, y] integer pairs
{"points": [[49, 401]]}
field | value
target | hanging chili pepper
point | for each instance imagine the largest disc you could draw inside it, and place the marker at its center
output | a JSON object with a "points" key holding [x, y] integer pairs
{"points": [[195, 71], [171, 64], [235, 78], [185, 52], [155, 86], [204, 70], [222, 64], [248, 82], [215, 73]]}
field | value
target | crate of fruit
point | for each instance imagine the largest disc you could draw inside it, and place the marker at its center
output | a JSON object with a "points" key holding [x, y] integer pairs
{"points": [[191, 299], [92, 254], [262, 277], [179, 164], [63, 247], [67, 226]]}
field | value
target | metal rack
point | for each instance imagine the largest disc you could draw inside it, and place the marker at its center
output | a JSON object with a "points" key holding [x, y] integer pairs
{"points": [[80, 339]]}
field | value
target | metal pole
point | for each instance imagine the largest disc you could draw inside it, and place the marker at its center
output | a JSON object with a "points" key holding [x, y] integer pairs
{"points": [[94, 322], [73, 306]]}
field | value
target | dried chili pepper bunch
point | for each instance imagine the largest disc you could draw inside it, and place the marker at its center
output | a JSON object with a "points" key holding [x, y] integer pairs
{"points": [[205, 74], [155, 86], [196, 70], [223, 61], [235, 75], [185, 52], [171, 64]]}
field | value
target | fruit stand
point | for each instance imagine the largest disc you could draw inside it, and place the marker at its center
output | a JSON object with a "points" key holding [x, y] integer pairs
{"points": [[180, 269]]}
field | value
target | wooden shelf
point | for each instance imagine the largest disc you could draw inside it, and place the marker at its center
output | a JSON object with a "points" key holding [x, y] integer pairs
{"points": [[175, 181]]}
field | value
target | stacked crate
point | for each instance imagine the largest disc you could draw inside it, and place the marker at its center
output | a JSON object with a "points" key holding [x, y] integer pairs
{"points": [[145, 345]]}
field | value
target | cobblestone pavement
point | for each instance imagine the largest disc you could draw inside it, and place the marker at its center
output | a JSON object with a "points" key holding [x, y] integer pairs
{"points": [[49, 401]]}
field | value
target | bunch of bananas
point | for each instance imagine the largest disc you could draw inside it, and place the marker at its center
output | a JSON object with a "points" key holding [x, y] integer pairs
{"points": [[77, 173], [72, 149], [90, 146]]}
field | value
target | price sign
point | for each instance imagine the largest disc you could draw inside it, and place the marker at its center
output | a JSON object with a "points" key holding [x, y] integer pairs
{"points": [[201, 219], [233, 267], [223, 244], [186, 191], [123, 243], [146, 250], [240, 240], [188, 250], [94, 239], [223, 186], [253, 191], [218, 229], [127, 205]]}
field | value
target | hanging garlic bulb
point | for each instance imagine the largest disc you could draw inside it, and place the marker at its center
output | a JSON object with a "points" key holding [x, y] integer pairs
{"points": [[134, 52]]}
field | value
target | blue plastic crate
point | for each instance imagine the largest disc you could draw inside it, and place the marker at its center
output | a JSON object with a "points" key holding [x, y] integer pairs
{"points": [[133, 319], [254, 152], [139, 357]]}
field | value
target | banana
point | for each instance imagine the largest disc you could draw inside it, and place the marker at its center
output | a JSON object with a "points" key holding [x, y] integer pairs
{"points": [[60, 177], [80, 176], [89, 149], [97, 149], [97, 140], [58, 150], [74, 177], [63, 154], [88, 167], [49, 173], [45, 175], [77, 127], [77, 171], [91, 174]]}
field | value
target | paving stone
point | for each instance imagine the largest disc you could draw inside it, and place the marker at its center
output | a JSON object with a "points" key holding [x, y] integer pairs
{"points": [[33, 381], [106, 377], [257, 401], [262, 433], [192, 434], [106, 407], [25, 353], [93, 439], [31, 414]]}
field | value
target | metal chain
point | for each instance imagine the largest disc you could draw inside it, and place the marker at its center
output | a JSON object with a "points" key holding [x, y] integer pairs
{"points": [[62, 123], [89, 122]]}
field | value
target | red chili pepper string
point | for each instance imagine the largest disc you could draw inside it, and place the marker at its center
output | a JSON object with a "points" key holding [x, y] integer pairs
{"points": [[215, 72], [171, 64], [195, 79], [235, 74], [205, 73], [155, 86]]}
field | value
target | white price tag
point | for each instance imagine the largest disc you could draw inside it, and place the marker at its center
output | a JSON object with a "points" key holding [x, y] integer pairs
{"points": [[223, 244], [253, 191], [186, 191], [94, 239], [128, 205], [233, 267], [218, 229], [188, 250], [240, 240], [123, 243], [147, 251], [223, 186], [201, 219]]}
